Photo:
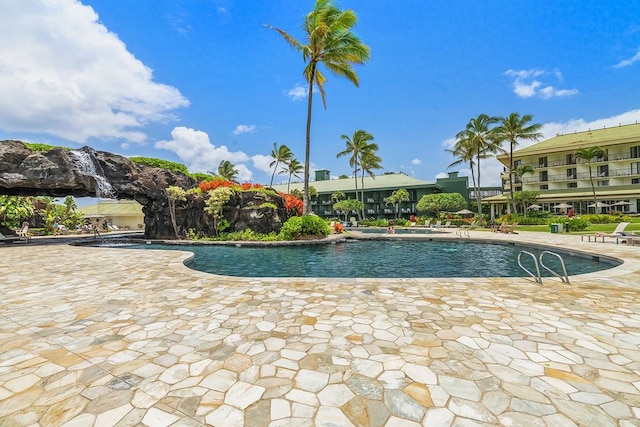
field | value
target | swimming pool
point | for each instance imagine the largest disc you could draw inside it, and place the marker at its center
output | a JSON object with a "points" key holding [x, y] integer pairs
{"points": [[396, 230], [375, 258]]}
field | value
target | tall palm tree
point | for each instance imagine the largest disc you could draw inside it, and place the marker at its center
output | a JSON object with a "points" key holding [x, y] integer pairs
{"points": [[356, 146], [329, 41], [398, 196], [280, 154], [512, 128], [369, 162], [227, 170], [293, 168], [520, 171], [589, 154], [481, 139]]}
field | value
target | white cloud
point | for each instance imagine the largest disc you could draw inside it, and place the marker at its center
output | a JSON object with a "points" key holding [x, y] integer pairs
{"points": [[196, 151], [627, 62], [240, 129], [124, 146], [261, 162], [65, 74], [416, 162], [530, 83], [297, 93]]}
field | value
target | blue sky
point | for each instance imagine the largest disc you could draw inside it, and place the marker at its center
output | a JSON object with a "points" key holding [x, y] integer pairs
{"points": [[198, 81]]}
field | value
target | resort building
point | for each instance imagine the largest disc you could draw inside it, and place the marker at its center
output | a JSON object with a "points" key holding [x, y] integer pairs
{"points": [[563, 180], [375, 191], [124, 214]]}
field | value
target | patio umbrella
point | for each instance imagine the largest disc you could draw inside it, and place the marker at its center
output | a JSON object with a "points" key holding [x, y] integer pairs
{"points": [[563, 206], [598, 205], [621, 203], [536, 207], [464, 212]]}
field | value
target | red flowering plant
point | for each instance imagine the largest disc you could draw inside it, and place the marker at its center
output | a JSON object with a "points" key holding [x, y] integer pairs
{"points": [[292, 204], [214, 183]]}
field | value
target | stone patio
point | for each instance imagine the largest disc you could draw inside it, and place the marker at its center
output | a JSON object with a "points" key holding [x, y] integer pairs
{"points": [[111, 337]]}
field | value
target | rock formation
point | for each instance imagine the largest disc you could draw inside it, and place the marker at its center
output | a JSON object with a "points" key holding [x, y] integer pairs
{"points": [[86, 172]]}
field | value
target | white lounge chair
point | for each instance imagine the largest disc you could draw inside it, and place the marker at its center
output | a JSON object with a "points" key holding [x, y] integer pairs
{"points": [[618, 233], [438, 224]]}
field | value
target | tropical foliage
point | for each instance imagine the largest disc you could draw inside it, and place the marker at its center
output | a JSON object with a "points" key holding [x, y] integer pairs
{"points": [[441, 202], [329, 41], [397, 197], [303, 226], [346, 206], [227, 170], [159, 163], [15, 209], [174, 196], [281, 154], [524, 199], [589, 155], [215, 202]]}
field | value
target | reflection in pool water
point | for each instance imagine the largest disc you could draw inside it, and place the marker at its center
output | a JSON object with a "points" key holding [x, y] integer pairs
{"points": [[376, 258]]}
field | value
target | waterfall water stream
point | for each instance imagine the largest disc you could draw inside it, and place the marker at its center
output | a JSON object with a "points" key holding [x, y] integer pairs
{"points": [[86, 167]]}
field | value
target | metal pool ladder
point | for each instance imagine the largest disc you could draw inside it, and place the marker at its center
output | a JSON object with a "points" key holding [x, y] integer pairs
{"points": [[538, 262], [462, 232]]}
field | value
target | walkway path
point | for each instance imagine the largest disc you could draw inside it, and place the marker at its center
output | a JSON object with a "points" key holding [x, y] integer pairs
{"points": [[102, 337]]}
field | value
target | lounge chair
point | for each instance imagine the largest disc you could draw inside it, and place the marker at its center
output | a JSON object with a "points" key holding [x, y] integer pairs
{"points": [[618, 233], [510, 228], [447, 224], [9, 239], [427, 223], [24, 231], [438, 224], [471, 226], [500, 228]]}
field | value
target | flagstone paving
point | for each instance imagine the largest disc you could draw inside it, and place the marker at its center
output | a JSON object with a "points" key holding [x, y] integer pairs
{"points": [[109, 337]]}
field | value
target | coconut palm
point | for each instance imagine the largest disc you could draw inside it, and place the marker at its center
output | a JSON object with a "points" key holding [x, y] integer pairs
{"points": [[589, 154], [293, 168], [337, 195], [511, 129], [227, 170], [482, 140], [280, 154], [356, 146], [369, 162], [329, 41], [397, 197], [520, 171]]}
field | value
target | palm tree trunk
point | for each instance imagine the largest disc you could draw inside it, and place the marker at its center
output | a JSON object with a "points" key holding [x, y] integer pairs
{"points": [[513, 202], [593, 189], [478, 196], [306, 208], [273, 174], [362, 192], [355, 178]]}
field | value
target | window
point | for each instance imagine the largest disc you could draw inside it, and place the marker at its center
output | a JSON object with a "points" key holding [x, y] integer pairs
{"points": [[604, 183], [571, 159], [603, 171], [544, 176], [572, 184], [571, 173], [635, 168], [603, 158], [635, 152], [635, 180], [517, 163], [544, 187], [542, 162]]}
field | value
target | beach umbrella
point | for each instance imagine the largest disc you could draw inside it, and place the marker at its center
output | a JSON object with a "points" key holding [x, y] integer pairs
{"points": [[563, 206], [464, 212], [598, 205], [622, 203], [536, 207]]}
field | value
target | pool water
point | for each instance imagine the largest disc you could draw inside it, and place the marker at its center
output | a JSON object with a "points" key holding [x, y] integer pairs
{"points": [[377, 259], [396, 231]]}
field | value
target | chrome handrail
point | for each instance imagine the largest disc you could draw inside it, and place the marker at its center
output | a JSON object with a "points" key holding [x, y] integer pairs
{"points": [[538, 277], [565, 277]]}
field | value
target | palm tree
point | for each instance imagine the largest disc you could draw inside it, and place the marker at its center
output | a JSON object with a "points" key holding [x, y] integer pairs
{"points": [[329, 41], [280, 154], [369, 162], [227, 170], [589, 154], [356, 146], [482, 140], [337, 195], [293, 168], [520, 171], [512, 128], [397, 197]]}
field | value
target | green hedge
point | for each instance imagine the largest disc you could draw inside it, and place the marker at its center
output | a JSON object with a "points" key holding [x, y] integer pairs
{"points": [[301, 226]]}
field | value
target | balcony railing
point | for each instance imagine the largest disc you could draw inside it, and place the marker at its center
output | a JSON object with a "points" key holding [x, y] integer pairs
{"points": [[581, 176], [563, 162]]}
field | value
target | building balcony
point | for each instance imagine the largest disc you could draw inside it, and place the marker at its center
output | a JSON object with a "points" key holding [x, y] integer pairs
{"points": [[582, 176]]}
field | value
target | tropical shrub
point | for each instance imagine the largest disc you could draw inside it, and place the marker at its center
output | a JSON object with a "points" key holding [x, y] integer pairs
{"points": [[298, 227], [43, 147], [578, 224], [159, 163], [441, 202], [292, 204]]}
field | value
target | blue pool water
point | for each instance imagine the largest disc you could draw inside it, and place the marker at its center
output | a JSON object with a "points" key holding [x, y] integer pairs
{"points": [[375, 258], [396, 231]]}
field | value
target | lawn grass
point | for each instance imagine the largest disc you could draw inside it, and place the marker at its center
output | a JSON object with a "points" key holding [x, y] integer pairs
{"points": [[605, 228]]}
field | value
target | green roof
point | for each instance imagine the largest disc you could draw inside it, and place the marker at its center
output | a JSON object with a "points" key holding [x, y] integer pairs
{"points": [[630, 191], [113, 208], [572, 141], [380, 182]]}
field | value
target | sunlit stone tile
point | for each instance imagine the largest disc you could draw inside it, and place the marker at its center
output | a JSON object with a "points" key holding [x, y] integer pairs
{"points": [[224, 416]]}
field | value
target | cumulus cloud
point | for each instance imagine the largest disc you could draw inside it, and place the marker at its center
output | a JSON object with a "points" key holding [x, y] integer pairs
{"points": [[240, 129], [627, 62], [416, 162], [532, 83], [64, 74], [297, 93], [261, 162], [200, 155]]}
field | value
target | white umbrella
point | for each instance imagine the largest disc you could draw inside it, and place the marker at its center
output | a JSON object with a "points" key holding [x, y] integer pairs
{"points": [[536, 207], [562, 206], [598, 205], [621, 203], [464, 212]]}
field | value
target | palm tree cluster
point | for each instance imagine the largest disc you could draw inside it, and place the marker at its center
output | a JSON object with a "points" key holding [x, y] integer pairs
{"points": [[484, 136], [283, 155], [363, 159]]}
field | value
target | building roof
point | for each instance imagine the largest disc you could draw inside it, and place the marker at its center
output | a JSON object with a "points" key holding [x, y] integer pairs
{"points": [[626, 192], [573, 141], [380, 182], [113, 208]]}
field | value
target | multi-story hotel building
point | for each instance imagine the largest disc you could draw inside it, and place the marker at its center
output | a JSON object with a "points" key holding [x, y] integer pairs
{"points": [[563, 180]]}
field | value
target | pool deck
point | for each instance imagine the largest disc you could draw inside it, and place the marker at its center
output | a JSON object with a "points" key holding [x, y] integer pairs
{"points": [[107, 337]]}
